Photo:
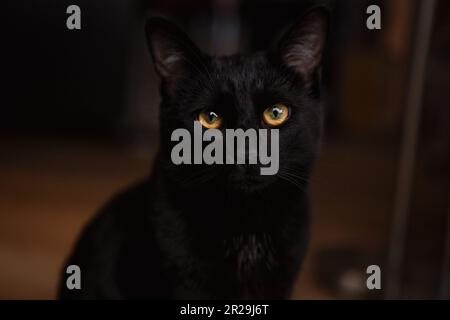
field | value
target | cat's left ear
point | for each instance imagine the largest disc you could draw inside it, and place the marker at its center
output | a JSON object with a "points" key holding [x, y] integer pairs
{"points": [[300, 49]]}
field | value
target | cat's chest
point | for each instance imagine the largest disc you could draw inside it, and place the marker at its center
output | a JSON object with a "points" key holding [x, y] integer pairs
{"points": [[250, 254]]}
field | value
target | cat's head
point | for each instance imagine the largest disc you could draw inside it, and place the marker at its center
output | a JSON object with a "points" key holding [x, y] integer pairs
{"points": [[278, 89]]}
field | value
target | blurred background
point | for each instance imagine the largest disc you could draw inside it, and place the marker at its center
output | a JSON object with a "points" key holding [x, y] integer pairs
{"points": [[79, 122]]}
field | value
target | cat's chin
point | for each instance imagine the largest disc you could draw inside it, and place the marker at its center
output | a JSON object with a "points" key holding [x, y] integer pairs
{"points": [[249, 184]]}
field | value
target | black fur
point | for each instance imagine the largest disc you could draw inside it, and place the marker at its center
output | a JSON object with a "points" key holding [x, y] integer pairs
{"points": [[220, 231]]}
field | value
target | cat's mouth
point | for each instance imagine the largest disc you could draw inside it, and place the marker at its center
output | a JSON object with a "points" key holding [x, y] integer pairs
{"points": [[246, 178]]}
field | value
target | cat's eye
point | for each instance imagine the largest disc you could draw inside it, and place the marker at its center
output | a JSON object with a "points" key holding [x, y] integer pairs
{"points": [[210, 119], [276, 114]]}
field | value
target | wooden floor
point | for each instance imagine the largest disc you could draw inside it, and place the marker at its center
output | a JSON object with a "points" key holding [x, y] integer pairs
{"points": [[50, 187]]}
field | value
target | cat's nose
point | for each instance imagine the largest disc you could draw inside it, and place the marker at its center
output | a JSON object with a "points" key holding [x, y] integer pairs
{"points": [[249, 154]]}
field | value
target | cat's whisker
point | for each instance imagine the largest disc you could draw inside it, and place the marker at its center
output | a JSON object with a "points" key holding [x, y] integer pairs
{"points": [[294, 169], [201, 180], [308, 180], [198, 177], [297, 178], [291, 180], [190, 178], [293, 174]]}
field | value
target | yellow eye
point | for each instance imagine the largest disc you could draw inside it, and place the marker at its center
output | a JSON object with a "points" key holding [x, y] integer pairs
{"points": [[210, 119], [276, 114]]}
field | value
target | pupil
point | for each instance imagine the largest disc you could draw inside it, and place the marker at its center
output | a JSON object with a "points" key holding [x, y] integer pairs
{"points": [[276, 112], [211, 116]]}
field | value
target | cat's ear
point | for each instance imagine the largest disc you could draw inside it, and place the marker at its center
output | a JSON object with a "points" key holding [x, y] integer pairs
{"points": [[301, 47], [171, 49]]}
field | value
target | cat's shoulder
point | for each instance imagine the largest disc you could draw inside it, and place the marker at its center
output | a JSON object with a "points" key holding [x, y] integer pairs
{"points": [[127, 207], [100, 243], [112, 223]]}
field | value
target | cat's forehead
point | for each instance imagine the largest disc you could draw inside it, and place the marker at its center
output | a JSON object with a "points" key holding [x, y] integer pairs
{"points": [[239, 72]]}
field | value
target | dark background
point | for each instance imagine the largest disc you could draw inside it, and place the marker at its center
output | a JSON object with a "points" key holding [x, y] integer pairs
{"points": [[79, 121]]}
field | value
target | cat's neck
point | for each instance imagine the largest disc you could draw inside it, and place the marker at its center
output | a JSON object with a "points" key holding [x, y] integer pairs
{"points": [[227, 214]]}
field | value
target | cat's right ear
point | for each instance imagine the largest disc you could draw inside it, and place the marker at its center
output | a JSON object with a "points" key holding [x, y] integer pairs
{"points": [[171, 49]]}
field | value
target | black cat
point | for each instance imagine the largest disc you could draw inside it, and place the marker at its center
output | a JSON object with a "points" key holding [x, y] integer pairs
{"points": [[215, 231]]}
